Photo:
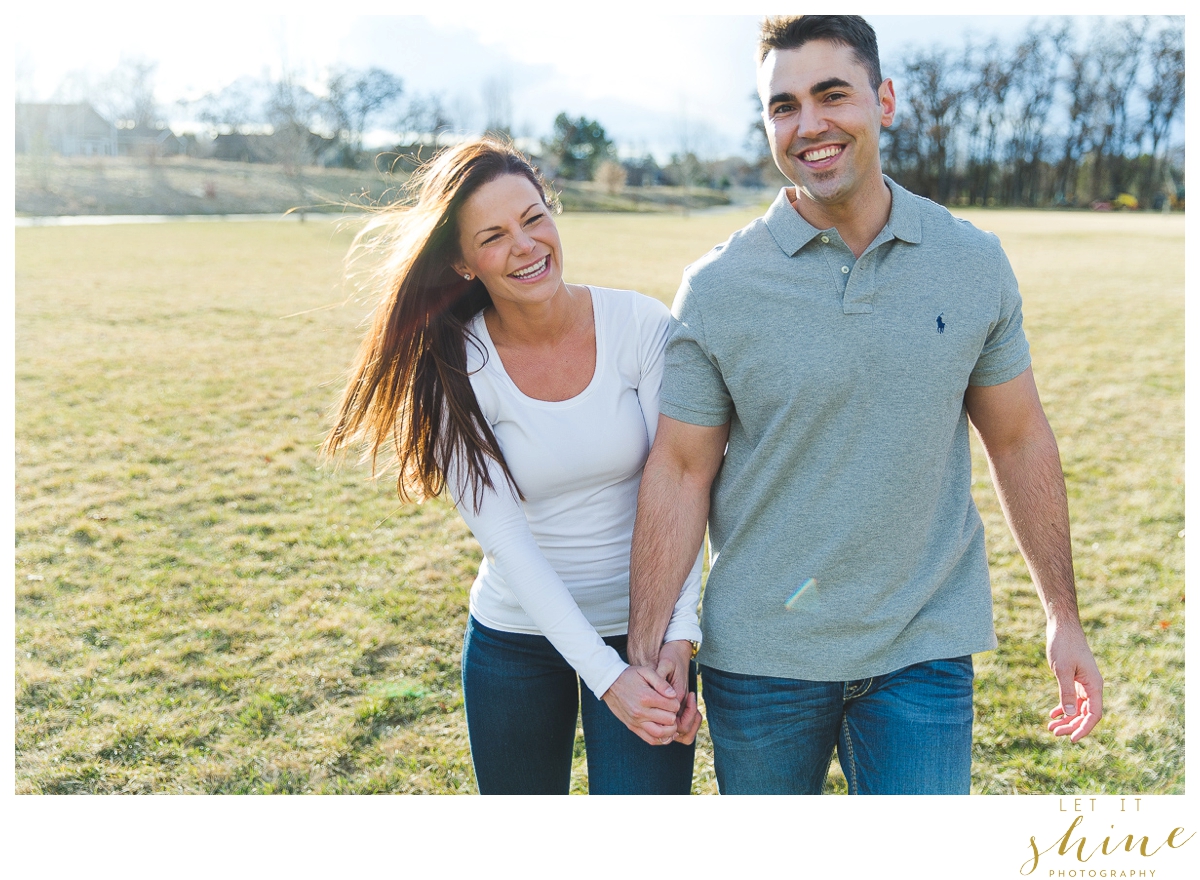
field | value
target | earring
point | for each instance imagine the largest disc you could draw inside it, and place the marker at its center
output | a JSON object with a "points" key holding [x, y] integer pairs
{"points": [[467, 276]]}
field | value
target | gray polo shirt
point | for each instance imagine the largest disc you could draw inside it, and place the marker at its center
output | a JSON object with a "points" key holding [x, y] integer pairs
{"points": [[845, 542]]}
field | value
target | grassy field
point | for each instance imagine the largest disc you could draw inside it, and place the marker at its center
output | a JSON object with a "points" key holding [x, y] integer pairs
{"points": [[203, 606]]}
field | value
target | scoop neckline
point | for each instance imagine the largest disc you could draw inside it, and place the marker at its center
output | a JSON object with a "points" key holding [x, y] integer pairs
{"points": [[496, 363]]}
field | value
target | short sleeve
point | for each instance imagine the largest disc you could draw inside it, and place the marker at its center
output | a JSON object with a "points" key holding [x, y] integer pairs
{"points": [[693, 389], [654, 325], [1005, 353]]}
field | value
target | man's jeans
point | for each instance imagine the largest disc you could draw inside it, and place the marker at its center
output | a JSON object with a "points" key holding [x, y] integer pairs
{"points": [[906, 732], [522, 701]]}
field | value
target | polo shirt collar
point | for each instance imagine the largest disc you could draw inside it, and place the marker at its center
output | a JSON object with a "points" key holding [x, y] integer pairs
{"points": [[904, 221], [792, 232]]}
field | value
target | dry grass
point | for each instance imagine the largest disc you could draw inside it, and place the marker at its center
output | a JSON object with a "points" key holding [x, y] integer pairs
{"points": [[203, 607], [55, 185]]}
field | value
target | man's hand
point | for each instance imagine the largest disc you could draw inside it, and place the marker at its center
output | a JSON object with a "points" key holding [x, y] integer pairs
{"points": [[674, 664], [646, 704], [1080, 687]]}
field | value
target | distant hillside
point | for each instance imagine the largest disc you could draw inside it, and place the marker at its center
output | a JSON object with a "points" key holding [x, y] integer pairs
{"points": [[54, 186]]}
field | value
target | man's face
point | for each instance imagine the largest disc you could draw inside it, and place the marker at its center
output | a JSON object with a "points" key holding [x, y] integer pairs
{"points": [[823, 119]]}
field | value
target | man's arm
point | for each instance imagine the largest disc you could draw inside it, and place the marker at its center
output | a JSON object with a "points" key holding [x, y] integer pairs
{"points": [[671, 515], [1027, 473]]}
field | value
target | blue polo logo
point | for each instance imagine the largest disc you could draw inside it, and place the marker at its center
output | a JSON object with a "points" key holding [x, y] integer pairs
{"points": [[941, 324]]}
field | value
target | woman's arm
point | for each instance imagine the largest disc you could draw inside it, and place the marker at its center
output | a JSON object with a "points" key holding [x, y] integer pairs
{"points": [[638, 696]]}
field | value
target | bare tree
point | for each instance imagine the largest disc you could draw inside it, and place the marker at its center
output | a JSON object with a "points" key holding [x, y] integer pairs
{"points": [[1079, 84], [77, 86], [236, 107], [497, 105], [1118, 50], [1053, 117], [1163, 94], [123, 95], [987, 87], [294, 112], [127, 93], [425, 114], [356, 96], [936, 89], [1034, 82]]}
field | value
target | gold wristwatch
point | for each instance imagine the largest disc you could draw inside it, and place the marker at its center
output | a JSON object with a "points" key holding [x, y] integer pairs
{"points": [[695, 648]]}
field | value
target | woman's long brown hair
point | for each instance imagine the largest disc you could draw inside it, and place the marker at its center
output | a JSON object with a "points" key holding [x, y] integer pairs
{"points": [[409, 384]]}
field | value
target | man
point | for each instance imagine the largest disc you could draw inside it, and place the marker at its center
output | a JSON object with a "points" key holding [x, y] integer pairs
{"points": [[819, 380]]}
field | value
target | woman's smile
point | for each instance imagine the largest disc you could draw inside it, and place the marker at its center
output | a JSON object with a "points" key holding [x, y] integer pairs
{"points": [[532, 272]]}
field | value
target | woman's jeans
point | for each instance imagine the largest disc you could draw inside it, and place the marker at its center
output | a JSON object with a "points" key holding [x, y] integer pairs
{"points": [[522, 700], [906, 732]]}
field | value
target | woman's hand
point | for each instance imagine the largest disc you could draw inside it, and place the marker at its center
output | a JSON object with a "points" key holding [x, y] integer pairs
{"points": [[646, 704], [674, 664]]}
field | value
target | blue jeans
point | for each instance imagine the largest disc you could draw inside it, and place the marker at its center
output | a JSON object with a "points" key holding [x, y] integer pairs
{"points": [[522, 701], [906, 732]]}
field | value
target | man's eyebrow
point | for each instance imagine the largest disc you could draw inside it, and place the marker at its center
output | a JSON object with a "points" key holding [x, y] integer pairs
{"points": [[827, 84], [834, 82]]}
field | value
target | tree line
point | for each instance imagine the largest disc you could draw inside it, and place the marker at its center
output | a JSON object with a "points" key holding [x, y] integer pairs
{"points": [[1062, 117], [1070, 113]]}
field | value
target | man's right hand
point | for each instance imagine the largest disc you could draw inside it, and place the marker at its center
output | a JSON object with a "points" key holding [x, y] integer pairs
{"points": [[1080, 685], [646, 704], [674, 664]]}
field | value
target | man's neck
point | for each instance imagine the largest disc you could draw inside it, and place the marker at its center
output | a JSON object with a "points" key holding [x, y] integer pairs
{"points": [[857, 220]]}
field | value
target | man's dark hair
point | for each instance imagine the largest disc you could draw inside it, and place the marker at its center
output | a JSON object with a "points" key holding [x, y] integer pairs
{"points": [[793, 31]]}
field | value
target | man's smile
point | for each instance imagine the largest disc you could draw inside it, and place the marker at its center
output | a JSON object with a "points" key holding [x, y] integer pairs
{"points": [[822, 154]]}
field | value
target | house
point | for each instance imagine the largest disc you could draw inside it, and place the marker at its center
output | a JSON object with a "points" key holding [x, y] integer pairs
{"points": [[238, 147], [148, 141], [65, 129], [287, 145]]}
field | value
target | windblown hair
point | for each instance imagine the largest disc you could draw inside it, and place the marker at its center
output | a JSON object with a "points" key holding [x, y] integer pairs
{"points": [[409, 384], [793, 31]]}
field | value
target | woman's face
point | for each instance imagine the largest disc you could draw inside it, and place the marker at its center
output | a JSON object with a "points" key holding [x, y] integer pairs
{"points": [[509, 241]]}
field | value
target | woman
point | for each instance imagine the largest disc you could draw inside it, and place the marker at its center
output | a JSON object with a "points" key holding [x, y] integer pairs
{"points": [[534, 402]]}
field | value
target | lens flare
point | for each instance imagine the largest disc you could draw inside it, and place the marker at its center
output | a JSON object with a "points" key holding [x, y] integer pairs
{"points": [[796, 595]]}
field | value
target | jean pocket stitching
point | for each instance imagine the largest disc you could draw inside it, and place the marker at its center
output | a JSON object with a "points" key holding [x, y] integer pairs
{"points": [[852, 776]]}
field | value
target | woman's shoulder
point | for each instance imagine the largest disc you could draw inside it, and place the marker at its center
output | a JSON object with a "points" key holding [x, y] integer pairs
{"points": [[477, 349], [620, 306], [481, 370]]}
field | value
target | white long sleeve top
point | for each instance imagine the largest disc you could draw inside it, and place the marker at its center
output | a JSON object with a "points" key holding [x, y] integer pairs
{"points": [[557, 564]]}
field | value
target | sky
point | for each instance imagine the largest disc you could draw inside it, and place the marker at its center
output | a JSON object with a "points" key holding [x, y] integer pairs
{"points": [[656, 80]]}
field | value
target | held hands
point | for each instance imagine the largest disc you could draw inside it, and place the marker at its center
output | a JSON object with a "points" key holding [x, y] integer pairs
{"points": [[646, 703], [1080, 686]]}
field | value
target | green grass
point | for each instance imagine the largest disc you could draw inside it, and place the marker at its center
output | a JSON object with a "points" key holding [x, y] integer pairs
{"points": [[203, 606]]}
